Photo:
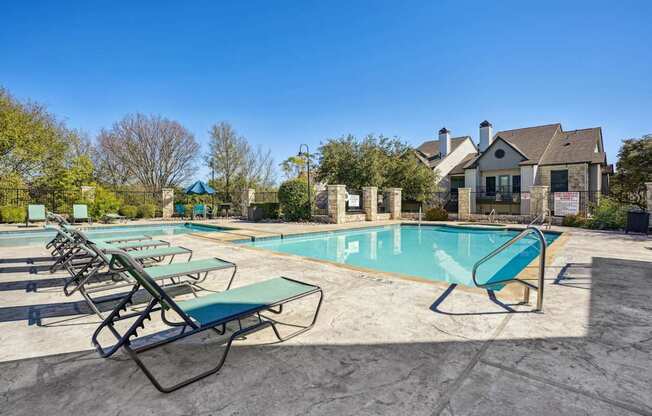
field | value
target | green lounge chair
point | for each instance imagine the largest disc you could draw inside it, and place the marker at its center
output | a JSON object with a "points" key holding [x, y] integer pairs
{"points": [[213, 312], [36, 213], [80, 213], [108, 218]]}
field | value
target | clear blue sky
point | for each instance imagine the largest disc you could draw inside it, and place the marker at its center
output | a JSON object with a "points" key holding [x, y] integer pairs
{"points": [[285, 73]]}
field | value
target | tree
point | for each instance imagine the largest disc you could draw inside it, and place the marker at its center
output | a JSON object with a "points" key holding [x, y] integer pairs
{"points": [[381, 162], [296, 166], [150, 150], [633, 170], [32, 140], [236, 164]]}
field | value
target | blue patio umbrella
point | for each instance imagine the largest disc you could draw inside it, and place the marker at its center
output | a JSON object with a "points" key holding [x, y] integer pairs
{"points": [[199, 188]]}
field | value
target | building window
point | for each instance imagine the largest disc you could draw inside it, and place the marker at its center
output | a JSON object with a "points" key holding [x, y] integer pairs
{"points": [[456, 183], [516, 184], [503, 184], [559, 181], [490, 185], [500, 153]]}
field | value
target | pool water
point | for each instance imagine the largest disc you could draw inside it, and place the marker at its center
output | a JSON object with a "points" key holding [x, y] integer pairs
{"points": [[440, 253], [41, 237]]}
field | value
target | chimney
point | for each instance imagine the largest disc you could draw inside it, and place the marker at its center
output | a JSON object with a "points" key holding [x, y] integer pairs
{"points": [[486, 135], [444, 142]]}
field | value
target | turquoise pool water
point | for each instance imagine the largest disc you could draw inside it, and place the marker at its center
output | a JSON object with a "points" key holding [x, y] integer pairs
{"points": [[432, 252], [40, 237]]}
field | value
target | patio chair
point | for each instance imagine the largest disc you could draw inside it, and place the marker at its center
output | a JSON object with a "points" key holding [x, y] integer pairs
{"points": [[107, 218], [180, 210], [199, 210], [196, 315], [35, 213], [80, 213]]}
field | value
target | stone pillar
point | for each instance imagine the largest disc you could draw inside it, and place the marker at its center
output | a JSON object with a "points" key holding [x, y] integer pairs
{"points": [[648, 194], [337, 203], [88, 193], [394, 203], [370, 202], [167, 202], [463, 203], [248, 198], [539, 195]]}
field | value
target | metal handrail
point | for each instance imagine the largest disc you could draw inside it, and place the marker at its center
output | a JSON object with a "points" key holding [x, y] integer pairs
{"points": [[543, 217], [493, 212], [528, 286]]}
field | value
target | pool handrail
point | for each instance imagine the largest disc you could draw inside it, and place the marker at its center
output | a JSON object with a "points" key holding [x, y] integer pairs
{"points": [[528, 286]]}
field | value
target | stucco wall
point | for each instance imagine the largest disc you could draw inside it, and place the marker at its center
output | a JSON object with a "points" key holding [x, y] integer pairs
{"points": [[454, 158], [510, 161]]}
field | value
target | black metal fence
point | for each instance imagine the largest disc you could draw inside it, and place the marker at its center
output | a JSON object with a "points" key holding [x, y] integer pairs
{"points": [[131, 197], [266, 197], [382, 202], [505, 201], [56, 200]]}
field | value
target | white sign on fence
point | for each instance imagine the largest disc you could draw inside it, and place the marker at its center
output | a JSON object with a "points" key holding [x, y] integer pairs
{"points": [[567, 203], [354, 201]]}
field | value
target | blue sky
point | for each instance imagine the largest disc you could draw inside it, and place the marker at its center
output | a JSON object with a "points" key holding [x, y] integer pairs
{"points": [[285, 73]]}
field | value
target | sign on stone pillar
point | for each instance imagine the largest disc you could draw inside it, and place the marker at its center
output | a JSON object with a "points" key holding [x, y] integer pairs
{"points": [[370, 202], [337, 203], [167, 202]]}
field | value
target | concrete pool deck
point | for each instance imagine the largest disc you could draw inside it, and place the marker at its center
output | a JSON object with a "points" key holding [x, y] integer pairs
{"points": [[377, 347]]}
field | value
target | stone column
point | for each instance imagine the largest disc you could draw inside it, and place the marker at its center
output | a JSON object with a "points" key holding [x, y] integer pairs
{"points": [[248, 198], [463, 203], [370, 202], [337, 203], [648, 194], [88, 193], [167, 202], [394, 203], [539, 195]]}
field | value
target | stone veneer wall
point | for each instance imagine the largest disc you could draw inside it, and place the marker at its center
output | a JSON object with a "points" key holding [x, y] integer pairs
{"points": [[337, 203], [370, 202], [248, 198], [394, 203], [167, 202], [578, 176], [355, 217], [464, 203]]}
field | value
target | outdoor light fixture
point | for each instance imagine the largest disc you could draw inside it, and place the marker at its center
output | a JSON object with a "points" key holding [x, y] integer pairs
{"points": [[307, 154]]}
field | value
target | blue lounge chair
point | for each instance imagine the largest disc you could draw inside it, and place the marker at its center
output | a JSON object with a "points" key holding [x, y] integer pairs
{"points": [[256, 301], [80, 213], [180, 210], [36, 213]]}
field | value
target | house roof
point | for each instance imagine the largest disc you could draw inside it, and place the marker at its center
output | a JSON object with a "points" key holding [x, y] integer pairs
{"points": [[428, 152], [532, 142], [575, 146], [459, 169]]}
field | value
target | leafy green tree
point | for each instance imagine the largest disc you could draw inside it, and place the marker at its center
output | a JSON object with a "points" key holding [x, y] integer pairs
{"points": [[32, 141], [293, 199], [383, 162], [633, 170]]}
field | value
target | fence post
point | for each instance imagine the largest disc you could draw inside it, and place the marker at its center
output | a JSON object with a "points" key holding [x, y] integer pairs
{"points": [[337, 203], [394, 203], [248, 198], [464, 203], [167, 202], [539, 195], [370, 202], [88, 193]]}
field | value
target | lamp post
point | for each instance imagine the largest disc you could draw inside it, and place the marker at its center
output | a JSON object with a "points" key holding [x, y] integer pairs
{"points": [[307, 154]]}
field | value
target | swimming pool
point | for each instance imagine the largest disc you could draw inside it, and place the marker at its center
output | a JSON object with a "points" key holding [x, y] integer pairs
{"points": [[441, 253], [40, 237]]}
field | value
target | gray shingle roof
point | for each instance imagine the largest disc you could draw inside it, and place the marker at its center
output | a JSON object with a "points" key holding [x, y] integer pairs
{"points": [[428, 152], [531, 141], [574, 147]]}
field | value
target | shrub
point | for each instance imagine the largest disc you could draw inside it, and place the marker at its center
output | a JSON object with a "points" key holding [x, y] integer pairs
{"points": [[129, 211], [574, 221], [147, 211], [436, 214], [12, 214], [608, 215], [104, 202], [293, 199], [188, 210]]}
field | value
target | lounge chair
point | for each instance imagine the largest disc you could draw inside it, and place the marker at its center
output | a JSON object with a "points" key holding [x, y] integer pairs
{"points": [[192, 272], [180, 210], [213, 312], [199, 210], [36, 213], [113, 217], [80, 213]]}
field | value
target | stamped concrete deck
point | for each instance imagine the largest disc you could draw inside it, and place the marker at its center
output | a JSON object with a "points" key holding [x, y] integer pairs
{"points": [[377, 347]]}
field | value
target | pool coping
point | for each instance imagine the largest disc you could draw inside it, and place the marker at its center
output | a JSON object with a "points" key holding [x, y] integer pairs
{"points": [[512, 291]]}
